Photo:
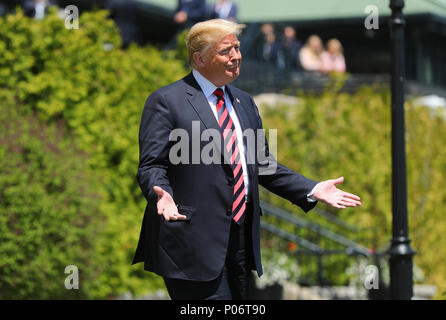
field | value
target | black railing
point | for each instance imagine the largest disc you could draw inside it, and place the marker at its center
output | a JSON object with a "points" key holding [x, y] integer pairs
{"points": [[316, 242], [256, 78], [349, 246]]}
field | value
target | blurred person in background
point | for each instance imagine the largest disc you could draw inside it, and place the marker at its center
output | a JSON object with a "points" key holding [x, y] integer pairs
{"points": [[225, 9], [290, 48], [3, 9], [124, 16], [190, 12], [310, 55], [270, 46], [37, 9], [333, 58], [187, 14]]}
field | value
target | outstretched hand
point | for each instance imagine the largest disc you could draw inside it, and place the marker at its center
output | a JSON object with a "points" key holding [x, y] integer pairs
{"points": [[327, 192], [166, 206]]}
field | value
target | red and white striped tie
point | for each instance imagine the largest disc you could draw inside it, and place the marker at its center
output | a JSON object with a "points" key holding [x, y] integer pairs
{"points": [[230, 142]]}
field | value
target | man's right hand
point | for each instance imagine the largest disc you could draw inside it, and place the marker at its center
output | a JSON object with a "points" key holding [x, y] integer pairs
{"points": [[166, 206]]}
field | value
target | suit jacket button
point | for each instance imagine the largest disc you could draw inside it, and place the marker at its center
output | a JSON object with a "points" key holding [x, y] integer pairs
{"points": [[228, 212]]}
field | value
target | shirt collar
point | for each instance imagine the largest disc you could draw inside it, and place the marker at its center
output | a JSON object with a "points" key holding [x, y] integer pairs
{"points": [[206, 86]]}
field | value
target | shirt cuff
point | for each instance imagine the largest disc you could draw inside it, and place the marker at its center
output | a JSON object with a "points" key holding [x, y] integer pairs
{"points": [[310, 197]]}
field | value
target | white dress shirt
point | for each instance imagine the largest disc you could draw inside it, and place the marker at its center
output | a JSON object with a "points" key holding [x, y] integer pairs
{"points": [[208, 89]]}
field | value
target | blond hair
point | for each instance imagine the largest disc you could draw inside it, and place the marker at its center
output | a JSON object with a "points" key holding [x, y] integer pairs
{"points": [[336, 43], [204, 34]]}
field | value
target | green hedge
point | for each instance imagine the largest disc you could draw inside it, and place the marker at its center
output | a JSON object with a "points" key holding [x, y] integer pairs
{"points": [[49, 213], [99, 93]]}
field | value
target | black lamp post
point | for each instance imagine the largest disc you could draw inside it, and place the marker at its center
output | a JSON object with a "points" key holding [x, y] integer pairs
{"points": [[401, 253]]}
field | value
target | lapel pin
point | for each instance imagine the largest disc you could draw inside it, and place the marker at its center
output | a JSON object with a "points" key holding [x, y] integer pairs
{"points": [[236, 99]]}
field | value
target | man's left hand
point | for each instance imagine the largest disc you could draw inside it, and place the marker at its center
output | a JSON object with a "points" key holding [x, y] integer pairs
{"points": [[327, 192]]}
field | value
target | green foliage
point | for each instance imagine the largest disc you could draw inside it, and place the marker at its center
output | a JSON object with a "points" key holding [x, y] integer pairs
{"points": [[83, 77], [338, 134], [278, 268], [49, 210], [180, 51]]}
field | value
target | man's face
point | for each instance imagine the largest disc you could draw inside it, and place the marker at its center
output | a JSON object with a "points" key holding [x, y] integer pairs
{"points": [[221, 64]]}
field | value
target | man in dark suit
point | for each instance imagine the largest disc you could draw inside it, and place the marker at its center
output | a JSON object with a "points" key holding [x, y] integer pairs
{"points": [[290, 48], [124, 15], [201, 227], [190, 12]]}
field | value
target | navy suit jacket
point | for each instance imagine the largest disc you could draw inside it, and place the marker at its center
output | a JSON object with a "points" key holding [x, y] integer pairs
{"points": [[195, 248], [196, 10]]}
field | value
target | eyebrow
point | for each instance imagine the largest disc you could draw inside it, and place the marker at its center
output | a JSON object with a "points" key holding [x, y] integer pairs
{"points": [[230, 46]]}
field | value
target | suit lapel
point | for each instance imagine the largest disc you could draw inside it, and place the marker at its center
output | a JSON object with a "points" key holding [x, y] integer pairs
{"points": [[239, 109], [200, 104]]}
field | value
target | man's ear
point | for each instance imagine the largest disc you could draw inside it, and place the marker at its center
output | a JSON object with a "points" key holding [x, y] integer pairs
{"points": [[198, 59]]}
